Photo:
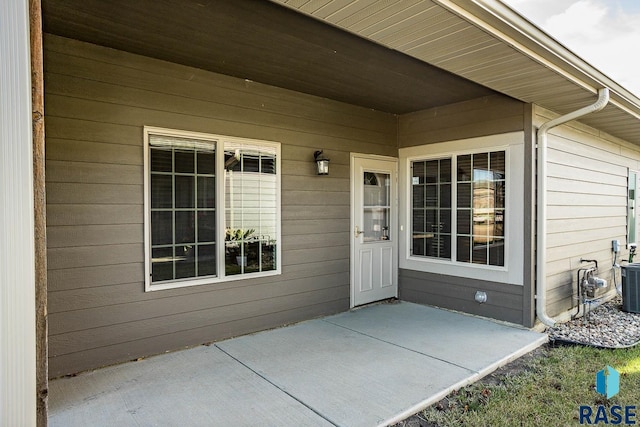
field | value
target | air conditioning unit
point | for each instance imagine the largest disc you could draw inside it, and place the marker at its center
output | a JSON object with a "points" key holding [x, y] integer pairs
{"points": [[631, 288]]}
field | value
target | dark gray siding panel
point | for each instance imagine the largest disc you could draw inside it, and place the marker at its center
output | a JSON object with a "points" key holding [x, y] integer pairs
{"points": [[504, 302], [98, 101], [489, 115]]}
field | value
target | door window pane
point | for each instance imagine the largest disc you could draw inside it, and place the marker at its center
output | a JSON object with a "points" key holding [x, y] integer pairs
{"points": [[377, 210]]}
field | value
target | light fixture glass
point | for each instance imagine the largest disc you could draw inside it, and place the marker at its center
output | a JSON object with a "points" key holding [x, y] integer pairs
{"points": [[322, 163]]}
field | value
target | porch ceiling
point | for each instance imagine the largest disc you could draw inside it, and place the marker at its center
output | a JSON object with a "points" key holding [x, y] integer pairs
{"points": [[486, 42], [264, 42]]}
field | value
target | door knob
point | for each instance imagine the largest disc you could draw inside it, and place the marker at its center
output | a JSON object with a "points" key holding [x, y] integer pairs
{"points": [[358, 232]]}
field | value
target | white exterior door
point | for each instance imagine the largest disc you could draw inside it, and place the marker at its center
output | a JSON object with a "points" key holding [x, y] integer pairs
{"points": [[374, 228]]}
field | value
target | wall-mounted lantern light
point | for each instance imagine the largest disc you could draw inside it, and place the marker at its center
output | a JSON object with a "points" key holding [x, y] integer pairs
{"points": [[321, 162]]}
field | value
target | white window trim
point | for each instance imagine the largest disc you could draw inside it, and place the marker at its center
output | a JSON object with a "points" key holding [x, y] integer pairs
{"points": [[513, 145], [219, 140]]}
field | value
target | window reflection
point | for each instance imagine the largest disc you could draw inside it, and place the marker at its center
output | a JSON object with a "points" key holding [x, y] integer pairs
{"points": [[479, 208], [377, 209], [250, 208]]}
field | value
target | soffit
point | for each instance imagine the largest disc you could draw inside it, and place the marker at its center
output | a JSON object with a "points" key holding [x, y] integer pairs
{"points": [[478, 40], [264, 42]]}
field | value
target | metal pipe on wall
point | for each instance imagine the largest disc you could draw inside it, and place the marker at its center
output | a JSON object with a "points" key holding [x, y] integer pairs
{"points": [[541, 245]]}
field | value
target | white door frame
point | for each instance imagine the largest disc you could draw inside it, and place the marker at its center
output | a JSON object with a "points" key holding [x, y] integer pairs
{"points": [[353, 215]]}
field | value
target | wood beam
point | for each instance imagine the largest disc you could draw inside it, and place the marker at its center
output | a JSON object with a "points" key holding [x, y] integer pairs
{"points": [[40, 216]]}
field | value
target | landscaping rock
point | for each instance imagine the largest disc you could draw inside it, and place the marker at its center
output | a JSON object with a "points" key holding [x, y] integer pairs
{"points": [[605, 326]]}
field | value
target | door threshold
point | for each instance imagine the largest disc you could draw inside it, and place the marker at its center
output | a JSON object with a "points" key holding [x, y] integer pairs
{"points": [[392, 300]]}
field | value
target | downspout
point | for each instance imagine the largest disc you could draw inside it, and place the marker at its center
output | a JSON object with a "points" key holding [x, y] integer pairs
{"points": [[541, 245]]}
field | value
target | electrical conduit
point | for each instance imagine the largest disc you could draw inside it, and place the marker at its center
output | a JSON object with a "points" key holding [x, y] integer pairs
{"points": [[541, 245]]}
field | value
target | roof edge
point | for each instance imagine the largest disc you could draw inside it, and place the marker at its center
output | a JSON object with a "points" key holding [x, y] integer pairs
{"points": [[504, 22]]}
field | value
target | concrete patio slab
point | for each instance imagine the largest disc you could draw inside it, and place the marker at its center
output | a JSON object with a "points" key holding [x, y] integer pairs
{"points": [[201, 386], [349, 378], [371, 366], [472, 342]]}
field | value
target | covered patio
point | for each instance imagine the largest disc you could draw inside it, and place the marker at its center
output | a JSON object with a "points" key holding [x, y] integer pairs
{"points": [[370, 366]]}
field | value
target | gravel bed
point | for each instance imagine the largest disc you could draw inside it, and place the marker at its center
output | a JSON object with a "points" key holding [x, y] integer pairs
{"points": [[605, 326]]}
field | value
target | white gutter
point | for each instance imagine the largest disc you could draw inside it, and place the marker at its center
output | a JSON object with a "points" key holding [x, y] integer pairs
{"points": [[541, 245]]}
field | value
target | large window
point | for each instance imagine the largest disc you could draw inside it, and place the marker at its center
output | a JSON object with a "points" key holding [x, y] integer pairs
{"points": [[212, 208], [459, 202]]}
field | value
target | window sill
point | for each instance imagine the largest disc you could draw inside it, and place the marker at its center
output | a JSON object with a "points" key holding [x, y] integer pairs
{"points": [[461, 269], [457, 264], [210, 280]]}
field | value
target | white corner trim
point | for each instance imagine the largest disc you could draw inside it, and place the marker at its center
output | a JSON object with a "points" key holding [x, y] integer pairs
{"points": [[17, 270]]}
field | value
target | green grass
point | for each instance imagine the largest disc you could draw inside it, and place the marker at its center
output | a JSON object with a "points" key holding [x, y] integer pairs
{"points": [[544, 391]]}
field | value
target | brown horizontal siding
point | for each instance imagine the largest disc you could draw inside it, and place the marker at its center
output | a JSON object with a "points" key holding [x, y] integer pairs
{"points": [[98, 101], [490, 115], [117, 333], [61, 193], [87, 359], [93, 235], [71, 299], [161, 307], [298, 227], [587, 204], [504, 302], [87, 277], [88, 214]]}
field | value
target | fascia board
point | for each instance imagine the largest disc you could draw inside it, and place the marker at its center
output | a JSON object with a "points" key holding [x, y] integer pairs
{"points": [[504, 23]]}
